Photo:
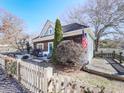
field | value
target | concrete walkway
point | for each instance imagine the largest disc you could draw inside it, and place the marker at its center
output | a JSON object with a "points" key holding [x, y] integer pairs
{"points": [[9, 85], [117, 66], [102, 65], [106, 68]]}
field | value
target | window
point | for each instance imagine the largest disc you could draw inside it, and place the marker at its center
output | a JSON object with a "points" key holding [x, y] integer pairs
{"points": [[50, 31], [40, 46]]}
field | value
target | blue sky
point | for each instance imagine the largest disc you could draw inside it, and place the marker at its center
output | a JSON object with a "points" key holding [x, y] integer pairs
{"points": [[35, 12]]}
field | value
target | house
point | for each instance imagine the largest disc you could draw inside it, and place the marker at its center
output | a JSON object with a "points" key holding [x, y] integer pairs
{"points": [[70, 32]]}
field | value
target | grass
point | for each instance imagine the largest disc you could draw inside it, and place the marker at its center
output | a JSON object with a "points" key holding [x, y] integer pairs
{"points": [[91, 80]]}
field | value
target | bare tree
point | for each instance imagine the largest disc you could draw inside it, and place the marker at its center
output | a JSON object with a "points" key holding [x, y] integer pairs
{"points": [[106, 17], [11, 28]]}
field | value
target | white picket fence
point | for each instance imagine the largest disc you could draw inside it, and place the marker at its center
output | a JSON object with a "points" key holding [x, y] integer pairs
{"points": [[42, 80]]}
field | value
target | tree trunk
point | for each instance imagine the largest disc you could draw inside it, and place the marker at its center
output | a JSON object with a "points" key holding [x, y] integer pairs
{"points": [[96, 44]]}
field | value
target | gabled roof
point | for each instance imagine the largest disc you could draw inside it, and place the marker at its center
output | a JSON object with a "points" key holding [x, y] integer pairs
{"points": [[65, 28], [72, 27], [47, 24], [36, 37]]}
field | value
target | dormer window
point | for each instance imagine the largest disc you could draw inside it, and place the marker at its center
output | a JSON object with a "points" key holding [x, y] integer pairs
{"points": [[50, 31]]}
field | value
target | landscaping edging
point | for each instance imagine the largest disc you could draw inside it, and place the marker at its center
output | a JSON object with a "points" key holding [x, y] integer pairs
{"points": [[106, 75]]}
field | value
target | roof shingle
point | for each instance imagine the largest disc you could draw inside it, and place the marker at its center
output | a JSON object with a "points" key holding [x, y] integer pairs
{"points": [[72, 27]]}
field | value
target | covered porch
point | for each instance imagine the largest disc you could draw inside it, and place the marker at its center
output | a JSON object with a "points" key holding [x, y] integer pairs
{"points": [[46, 44]]}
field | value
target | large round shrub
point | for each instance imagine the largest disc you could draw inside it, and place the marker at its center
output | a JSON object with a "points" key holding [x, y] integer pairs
{"points": [[69, 53]]}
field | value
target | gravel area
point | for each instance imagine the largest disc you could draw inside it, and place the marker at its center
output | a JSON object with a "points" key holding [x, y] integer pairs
{"points": [[9, 85]]}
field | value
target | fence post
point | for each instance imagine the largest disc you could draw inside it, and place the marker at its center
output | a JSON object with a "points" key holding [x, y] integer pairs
{"points": [[5, 65], [48, 73], [120, 57], [102, 54], [5, 60], [18, 71], [113, 54]]}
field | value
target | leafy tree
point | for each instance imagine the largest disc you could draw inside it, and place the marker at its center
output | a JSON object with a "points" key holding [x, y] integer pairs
{"points": [[58, 35]]}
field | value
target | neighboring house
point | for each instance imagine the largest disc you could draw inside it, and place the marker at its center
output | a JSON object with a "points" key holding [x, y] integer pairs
{"points": [[70, 32]]}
